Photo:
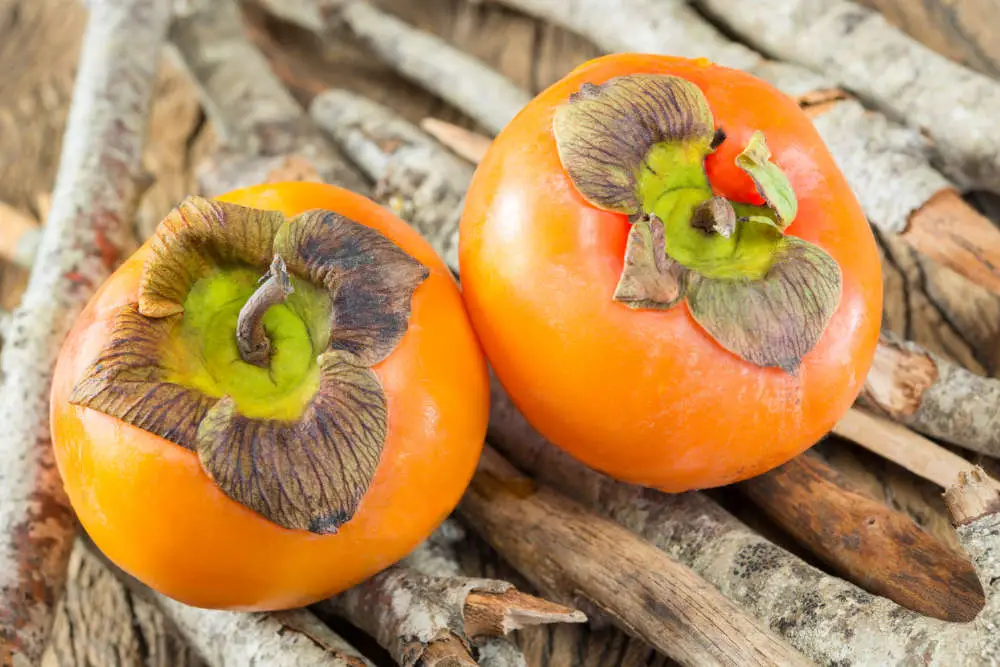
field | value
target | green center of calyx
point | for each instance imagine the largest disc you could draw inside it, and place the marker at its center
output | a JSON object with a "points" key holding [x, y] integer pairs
{"points": [[637, 145], [252, 343]]}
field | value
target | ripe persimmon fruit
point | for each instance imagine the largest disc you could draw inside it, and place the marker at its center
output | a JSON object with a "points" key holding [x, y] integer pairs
{"points": [[277, 396], [668, 272]]}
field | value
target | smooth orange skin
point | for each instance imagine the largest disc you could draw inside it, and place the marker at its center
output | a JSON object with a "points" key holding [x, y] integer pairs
{"points": [[647, 396], [149, 506]]}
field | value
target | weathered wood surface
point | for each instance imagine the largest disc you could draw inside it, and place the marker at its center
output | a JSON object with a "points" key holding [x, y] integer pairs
{"points": [[964, 30], [39, 40]]}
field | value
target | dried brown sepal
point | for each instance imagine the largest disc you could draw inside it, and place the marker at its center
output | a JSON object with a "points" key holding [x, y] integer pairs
{"points": [[772, 183], [371, 279], [127, 381], [196, 236], [604, 133], [650, 278], [308, 474], [776, 320], [715, 216]]}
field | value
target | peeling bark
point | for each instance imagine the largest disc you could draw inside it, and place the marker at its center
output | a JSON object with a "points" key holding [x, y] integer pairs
{"points": [[422, 619], [88, 231], [842, 39], [934, 396], [260, 124], [454, 76], [569, 551], [415, 176], [828, 619]]}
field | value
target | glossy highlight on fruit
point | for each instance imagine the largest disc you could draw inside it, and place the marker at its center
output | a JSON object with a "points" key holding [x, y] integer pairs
{"points": [[669, 274], [269, 484]]}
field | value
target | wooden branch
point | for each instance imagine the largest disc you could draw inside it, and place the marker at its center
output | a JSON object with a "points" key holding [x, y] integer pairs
{"points": [[266, 135], [427, 619], [437, 557], [19, 234], [415, 177], [965, 30], [887, 165], [902, 446], [878, 548], [934, 396], [862, 52], [87, 232], [464, 143], [454, 76], [828, 619], [563, 548]]}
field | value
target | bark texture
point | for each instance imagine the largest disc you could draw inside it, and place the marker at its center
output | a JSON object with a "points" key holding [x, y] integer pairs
{"points": [[828, 619], [451, 74], [569, 551], [934, 396], [277, 639], [421, 618], [261, 126], [414, 175], [100, 622], [88, 230], [850, 43], [876, 547]]}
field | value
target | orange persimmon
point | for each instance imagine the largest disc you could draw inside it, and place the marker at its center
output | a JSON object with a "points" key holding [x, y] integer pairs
{"points": [[278, 481], [668, 273]]}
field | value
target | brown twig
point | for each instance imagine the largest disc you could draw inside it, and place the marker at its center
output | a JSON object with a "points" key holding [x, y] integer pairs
{"points": [[902, 446], [415, 177], [567, 550], [844, 40], [934, 396], [451, 74], [266, 135], [87, 232], [465, 143], [427, 619], [876, 547], [887, 165]]}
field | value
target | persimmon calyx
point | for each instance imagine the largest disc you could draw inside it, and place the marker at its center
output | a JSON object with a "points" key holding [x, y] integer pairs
{"points": [[296, 438], [637, 145]]}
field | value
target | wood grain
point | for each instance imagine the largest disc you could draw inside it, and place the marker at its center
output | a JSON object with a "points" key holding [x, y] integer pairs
{"points": [[876, 547]]}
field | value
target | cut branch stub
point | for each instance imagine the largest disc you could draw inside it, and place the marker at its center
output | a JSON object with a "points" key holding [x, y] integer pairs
{"points": [[298, 438], [636, 145]]}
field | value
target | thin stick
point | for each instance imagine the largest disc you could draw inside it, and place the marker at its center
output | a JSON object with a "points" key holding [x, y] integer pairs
{"points": [[876, 547], [902, 446], [421, 618], [844, 40], [465, 143], [87, 232], [564, 548], [415, 177], [451, 74], [262, 126], [934, 396]]}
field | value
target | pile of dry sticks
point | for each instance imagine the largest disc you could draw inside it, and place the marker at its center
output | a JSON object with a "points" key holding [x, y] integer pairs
{"points": [[821, 571]]}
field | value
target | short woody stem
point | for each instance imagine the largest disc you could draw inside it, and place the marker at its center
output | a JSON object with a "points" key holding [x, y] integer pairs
{"points": [[251, 339]]}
